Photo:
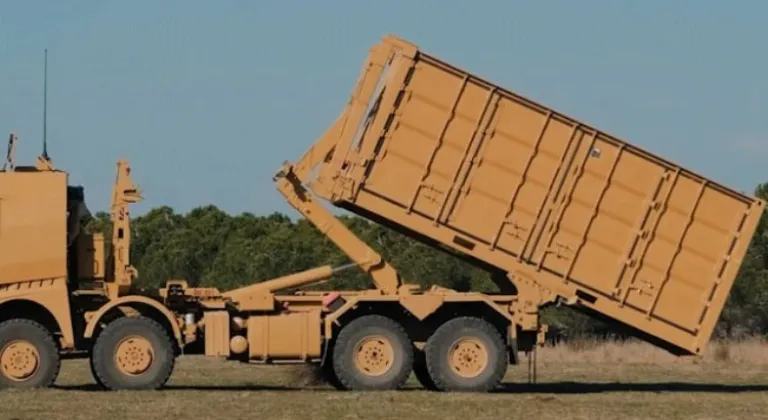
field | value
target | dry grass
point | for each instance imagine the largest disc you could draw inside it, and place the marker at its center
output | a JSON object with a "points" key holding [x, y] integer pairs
{"points": [[611, 381], [751, 351]]}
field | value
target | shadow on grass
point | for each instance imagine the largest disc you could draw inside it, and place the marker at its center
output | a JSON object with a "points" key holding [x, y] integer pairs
{"points": [[96, 388], [596, 388], [508, 388]]}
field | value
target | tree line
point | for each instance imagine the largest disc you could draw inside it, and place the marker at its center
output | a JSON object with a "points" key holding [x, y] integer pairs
{"points": [[210, 248]]}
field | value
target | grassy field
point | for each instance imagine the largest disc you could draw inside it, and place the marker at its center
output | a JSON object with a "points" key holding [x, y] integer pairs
{"points": [[585, 381]]}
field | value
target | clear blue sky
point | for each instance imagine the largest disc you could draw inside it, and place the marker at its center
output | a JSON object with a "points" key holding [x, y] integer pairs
{"points": [[207, 99]]}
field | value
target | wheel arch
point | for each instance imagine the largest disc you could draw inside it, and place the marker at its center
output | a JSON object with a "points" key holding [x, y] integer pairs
{"points": [[33, 311], [145, 306], [421, 318]]}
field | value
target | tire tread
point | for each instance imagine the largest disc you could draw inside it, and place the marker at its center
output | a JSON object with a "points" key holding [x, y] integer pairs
{"points": [[104, 380], [343, 368], [50, 350], [438, 371]]}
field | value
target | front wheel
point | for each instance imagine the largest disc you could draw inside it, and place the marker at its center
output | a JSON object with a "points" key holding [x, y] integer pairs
{"points": [[133, 353], [29, 358]]}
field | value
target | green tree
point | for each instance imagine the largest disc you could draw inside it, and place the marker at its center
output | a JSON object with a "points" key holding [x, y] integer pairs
{"points": [[746, 310]]}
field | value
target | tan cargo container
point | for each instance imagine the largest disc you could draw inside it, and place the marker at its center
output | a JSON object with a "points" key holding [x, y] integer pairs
{"points": [[540, 196]]}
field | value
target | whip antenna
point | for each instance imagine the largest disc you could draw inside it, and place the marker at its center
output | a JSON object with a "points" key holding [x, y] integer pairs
{"points": [[45, 106]]}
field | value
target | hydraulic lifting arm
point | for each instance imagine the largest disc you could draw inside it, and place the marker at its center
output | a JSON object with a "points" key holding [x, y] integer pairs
{"points": [[328, 155], [385, 278]]}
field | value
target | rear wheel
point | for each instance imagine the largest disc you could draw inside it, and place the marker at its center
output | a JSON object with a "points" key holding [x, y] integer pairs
{"points": [[133, 353], [466, 354], [29, 358], [372, 353]]}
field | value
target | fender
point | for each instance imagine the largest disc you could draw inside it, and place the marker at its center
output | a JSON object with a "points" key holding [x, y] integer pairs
{"points": [[46, 296], [420, 306], [131, 301]]}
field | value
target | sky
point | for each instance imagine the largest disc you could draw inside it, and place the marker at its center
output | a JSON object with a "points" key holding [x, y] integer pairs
{"points": [[207, 99]]}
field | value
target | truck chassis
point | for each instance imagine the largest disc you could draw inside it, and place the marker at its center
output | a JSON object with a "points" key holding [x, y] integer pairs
{"points": [[370, 339]]}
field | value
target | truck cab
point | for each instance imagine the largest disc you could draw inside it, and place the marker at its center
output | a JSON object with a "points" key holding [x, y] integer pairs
{"points": [[52, 270]]}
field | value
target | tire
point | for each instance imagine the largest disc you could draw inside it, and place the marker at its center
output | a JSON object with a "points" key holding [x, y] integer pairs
{"points": [[148, 355], [95, 376], [29, 357], [421, 372], [389, 354], [330, 377], [475, 337]]}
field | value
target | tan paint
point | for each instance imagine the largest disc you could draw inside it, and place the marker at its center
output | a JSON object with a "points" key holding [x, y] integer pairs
{"points": [[91, 259], [134, 355], [33, 225], [285, 335], [571, 211], [31, 234], [566, 212], [19, 360], [384, 276], [51, 294], [129, 301], [374, 355], [468, 357], [421, 306], [259, 296], [217, 341], [238, 344], [499, 303], [123, 194]]}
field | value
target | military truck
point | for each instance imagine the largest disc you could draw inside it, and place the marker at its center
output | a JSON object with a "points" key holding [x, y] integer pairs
{"points": [[557, 211]]}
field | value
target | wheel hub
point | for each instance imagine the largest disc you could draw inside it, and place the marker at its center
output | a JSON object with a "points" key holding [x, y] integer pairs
{"points": [[19, 360], [134, 355], [374, 355], [468, 357]]}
